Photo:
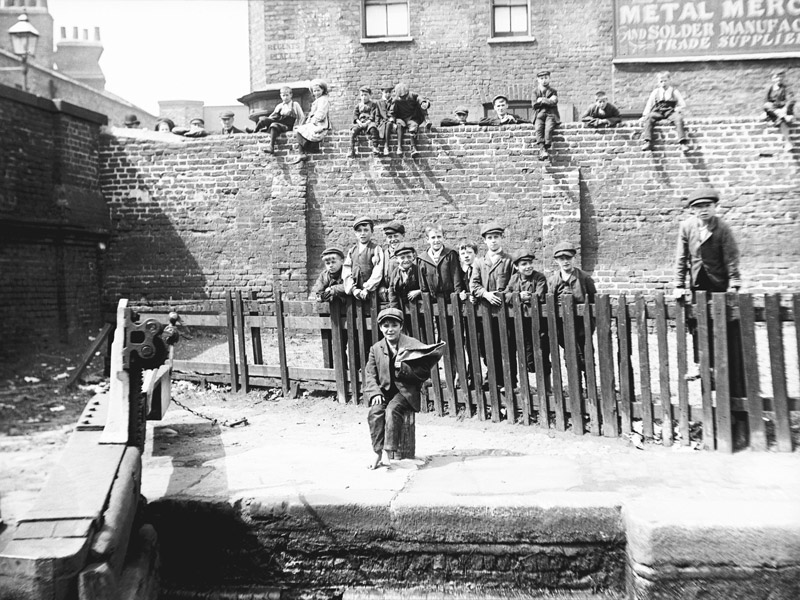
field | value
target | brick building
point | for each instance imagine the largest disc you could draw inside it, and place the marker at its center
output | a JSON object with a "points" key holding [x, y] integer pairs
{"points": [[465, 51]]}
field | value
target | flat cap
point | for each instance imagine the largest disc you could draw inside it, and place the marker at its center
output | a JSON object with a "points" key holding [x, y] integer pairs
{"points": [[197, 120], [564, 248], [390, 313], [365, 88], [496, 98], [524, 253], [492, 228], [362, 221], [394, 227], [226, 114], [543, 73], [600, 95], [461, 110], [332, 250], [703, 193], [404, 247]]}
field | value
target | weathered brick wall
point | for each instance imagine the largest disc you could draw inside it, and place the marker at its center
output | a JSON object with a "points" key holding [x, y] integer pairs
{"points": [[193, 218], [52, 217], [450, 60]]}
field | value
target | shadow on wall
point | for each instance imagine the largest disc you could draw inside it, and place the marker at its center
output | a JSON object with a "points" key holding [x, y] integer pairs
{"points": [[147, 257]]}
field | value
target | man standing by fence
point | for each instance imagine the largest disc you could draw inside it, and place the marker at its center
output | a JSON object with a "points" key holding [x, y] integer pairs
{"points": [[707, 251]]}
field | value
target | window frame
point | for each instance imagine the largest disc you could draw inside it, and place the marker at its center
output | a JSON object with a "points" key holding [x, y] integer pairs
{"points": [[371, 39], [496, 37]]}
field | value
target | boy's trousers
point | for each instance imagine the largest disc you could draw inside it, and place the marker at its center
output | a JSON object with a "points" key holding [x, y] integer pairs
{"points": [[385, 421]]}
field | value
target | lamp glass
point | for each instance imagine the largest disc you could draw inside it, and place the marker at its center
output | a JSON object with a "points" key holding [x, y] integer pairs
{"points": [[23, 37]]}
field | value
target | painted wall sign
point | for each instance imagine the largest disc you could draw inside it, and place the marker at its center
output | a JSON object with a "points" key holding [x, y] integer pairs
{"points": [[670, 30]]}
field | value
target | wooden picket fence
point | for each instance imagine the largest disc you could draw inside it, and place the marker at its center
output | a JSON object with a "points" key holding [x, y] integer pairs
{"points": [[608, 398]]}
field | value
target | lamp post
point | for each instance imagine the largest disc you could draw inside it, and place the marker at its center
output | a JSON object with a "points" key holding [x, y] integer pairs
{"points": [[23, 43]]}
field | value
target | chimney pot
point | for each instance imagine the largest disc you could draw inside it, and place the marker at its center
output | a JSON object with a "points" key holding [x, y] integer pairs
{"points": [[75, 33], [96, 34], [63, 33]]}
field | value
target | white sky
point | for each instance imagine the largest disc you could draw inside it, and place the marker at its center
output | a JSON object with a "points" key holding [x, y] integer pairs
{"points": [[166, 49]]}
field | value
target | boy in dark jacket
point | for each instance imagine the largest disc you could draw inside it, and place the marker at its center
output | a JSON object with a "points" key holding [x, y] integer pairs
{"points": [[570, 280], [365, 120], [404, 284], [330, 283], [532, 287], [602, 114], [546, 117], [779, 106], [407, 114]]}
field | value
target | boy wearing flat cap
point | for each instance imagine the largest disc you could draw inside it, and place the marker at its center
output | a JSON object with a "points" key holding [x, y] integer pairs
{"points": [[490, 277], [502, 116], [392, 383], [330, 283], [546, 116], [570, 280], [404, 284], [532, 287], [461, 113], [602, 114], [226, 118], [707, 252], [365, 120], [283, 118], [395, 234], [364, 261]]}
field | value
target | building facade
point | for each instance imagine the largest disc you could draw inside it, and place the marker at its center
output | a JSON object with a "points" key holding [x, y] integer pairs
{"points": [[720, 52]]}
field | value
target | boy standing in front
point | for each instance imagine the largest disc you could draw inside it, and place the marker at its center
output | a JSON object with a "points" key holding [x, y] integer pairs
{"points": [[532, 287], [707, 252], [665, 102], [570, 280], [365, 120], [364, 260], [404, 284], [546, 117], [490, 277], [391, 385]]}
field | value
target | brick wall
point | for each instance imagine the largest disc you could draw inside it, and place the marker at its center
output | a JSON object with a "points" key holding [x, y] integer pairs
{"points": [[451, 61], [192, 218], [52, 217]]}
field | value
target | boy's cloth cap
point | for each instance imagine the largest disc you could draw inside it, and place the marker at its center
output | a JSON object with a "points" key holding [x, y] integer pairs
{"points": [[703, 193], [394, 227], [365, 88], [200, 121], [496, 98], [390, 313], [332, 250], [492, 228], [600, 95], [461, 110], [525, 253], [543, 73], [404, 247], [564, 248], [226, 114], [362, 220]]}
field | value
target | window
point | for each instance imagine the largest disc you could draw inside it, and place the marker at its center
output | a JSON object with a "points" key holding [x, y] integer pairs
{"points": [[509, 18], [385, 18], [521, 108]]}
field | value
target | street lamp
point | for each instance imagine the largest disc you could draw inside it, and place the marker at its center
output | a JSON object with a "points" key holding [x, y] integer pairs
{"points": [[23, 42]]}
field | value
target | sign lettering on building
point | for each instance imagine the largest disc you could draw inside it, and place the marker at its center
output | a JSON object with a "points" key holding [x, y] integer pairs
{"points": [[669, 30]]}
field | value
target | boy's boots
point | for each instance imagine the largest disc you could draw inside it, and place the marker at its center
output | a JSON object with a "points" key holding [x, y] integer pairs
{"points": [[376, 149], [414, 151], [353, 142]]}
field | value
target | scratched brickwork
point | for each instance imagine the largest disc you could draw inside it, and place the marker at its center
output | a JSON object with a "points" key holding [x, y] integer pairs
{"points": [[194, 218], [451, 61]]}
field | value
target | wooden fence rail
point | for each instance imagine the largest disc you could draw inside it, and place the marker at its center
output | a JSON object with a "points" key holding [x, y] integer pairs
{"points": [[595, 368]]}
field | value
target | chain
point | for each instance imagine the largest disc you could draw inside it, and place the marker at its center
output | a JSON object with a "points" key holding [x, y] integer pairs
{"points": [[225, 423]]}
